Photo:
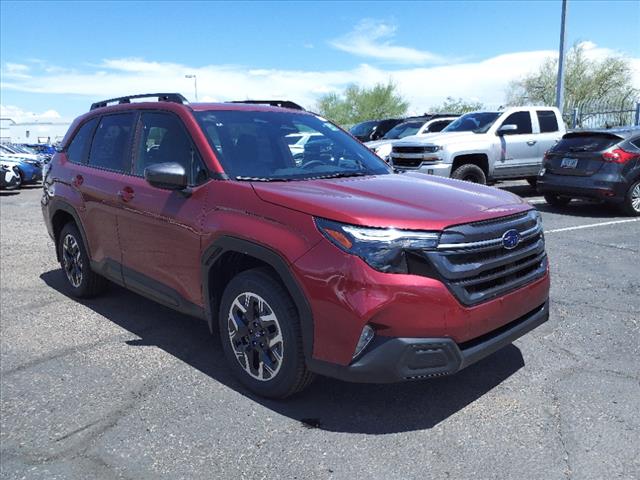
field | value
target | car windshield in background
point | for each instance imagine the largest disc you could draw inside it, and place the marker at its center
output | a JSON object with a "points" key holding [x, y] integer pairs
{"points": [[254, 145], [403, 130], [363, 129], [477, 122]]}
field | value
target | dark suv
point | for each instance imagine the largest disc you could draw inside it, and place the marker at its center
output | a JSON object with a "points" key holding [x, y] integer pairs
{"points": [[597, 164], [327, 262]]}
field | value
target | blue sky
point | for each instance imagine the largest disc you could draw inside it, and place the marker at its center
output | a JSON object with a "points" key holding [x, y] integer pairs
{"points": [[62, 55]]}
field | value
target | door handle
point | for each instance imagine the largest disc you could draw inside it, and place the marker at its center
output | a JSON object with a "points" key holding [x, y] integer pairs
{"points": [[77, 180], [531, 143], [126, 194]]}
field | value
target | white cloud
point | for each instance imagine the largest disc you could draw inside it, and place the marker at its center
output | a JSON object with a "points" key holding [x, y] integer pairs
{"points": [[423, 86], [372, 38], [18, 115]]}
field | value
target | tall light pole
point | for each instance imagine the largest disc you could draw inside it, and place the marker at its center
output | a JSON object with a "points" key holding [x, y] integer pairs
{"points": [[560, 81], [195, 83]]}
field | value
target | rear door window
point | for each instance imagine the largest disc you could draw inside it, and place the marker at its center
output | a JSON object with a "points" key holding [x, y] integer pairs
{"points": [[79, 147], [548, 121], [164, 139], [111, 147], [522, 120]]}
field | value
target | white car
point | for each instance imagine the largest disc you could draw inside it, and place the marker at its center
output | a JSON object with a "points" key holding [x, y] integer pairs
{"points": [[8, 151], [382, 147], [484, 146], [297, 141]]}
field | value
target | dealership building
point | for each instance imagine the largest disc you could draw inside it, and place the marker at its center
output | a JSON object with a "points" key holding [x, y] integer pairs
{"points": [[36, 131]]}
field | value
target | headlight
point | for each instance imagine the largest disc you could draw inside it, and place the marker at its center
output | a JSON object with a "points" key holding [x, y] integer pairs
{"points": [[384, 249], [432, 148]]}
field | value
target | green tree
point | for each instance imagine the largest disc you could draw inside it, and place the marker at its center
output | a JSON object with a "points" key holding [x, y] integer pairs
{"points": [[357, 104], [607, 81], [459, 105]]}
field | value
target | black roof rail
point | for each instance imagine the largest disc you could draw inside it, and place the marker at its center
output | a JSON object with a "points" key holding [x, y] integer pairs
{"points": [[162, 97], [273, 103]]}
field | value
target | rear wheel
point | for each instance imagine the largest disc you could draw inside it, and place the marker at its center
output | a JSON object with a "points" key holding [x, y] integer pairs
{"points": [[81, 280], [631, 204], [470, 173], [261, 336], [556, 200]]}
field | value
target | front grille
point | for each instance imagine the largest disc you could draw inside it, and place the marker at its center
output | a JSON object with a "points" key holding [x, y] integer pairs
{"points": [[407, 162], [474, 264], [401, 149]]}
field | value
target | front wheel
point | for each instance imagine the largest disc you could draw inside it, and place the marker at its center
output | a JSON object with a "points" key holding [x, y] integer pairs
{"points": [[81, 280], [631, 204], [470, 173], [261, 335]]}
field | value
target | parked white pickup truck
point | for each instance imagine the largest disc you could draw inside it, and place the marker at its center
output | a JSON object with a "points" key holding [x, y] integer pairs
{"points": [[484, 146]]}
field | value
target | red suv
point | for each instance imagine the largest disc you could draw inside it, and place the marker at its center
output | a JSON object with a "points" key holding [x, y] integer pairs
{"points": [[319, 260]]}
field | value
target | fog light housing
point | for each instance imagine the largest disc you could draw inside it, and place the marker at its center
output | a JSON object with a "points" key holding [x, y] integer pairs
{"points": [[365, 338]]}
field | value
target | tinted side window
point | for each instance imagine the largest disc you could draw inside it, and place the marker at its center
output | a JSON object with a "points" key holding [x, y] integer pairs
{"points": [[111, 143], [548, 121], [163, 139], [79, 146], [520, 119], [438, 126]]}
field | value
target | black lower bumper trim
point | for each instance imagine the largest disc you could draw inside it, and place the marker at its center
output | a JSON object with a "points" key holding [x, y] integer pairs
{"points": [[388, 360]]}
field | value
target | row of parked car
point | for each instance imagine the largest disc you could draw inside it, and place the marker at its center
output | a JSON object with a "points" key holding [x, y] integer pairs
{"points": [[515, 143], [22, 164]]}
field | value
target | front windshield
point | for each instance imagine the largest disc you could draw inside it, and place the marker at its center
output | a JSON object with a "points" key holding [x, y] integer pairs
{"points": [[403, 130], [476, 122], [255, 145]]}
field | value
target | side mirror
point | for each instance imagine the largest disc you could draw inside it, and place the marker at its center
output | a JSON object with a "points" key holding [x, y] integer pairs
{"points": [[168, 176], [507, 129]]}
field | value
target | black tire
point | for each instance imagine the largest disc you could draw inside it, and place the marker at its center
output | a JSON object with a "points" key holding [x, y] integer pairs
{"points": [[556, 200], [242, 336], [470, 173], [533, 181], [631, 204], [81, 281]]}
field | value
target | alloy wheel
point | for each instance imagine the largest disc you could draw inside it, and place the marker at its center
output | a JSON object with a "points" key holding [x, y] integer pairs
{"points": [[255, 336], [635, 197], [71, 260]]}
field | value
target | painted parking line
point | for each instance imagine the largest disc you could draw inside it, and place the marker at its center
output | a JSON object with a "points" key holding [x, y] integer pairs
{"points": [[591, 225]]}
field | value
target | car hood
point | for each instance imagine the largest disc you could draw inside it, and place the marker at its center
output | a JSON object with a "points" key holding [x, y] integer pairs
{"points": [[379, 143], [410, 200], [439, 138]]}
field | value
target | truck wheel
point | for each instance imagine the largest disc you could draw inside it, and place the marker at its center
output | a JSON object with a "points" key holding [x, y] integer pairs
{"points": [[470, 173], [82, 281], [261, 336], [556, 200], [631, 204]]}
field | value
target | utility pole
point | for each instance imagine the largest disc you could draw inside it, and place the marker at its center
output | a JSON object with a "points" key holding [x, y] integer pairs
{"points": [[195, 83], [560, 81]]}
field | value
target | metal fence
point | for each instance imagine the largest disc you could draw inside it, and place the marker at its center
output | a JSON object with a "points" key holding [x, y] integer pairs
{"points": [[603, 114]]}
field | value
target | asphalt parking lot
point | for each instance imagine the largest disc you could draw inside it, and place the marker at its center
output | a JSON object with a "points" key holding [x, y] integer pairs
{"points": [[120, 387]]}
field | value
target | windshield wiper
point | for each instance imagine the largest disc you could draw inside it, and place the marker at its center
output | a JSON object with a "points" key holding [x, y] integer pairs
{"points": [[261, 179], [339, 175]]}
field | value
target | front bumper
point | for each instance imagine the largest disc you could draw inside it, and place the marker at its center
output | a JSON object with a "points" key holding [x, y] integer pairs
{"points": [[388, 360], [612, 188], [438, 169]]}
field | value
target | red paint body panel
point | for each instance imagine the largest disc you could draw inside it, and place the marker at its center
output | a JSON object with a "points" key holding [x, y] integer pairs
{"points": [[412, 201], [345, 294]]}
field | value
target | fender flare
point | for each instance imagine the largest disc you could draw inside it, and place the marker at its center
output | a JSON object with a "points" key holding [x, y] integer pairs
{"points": [[56, 205], [226, 244]]}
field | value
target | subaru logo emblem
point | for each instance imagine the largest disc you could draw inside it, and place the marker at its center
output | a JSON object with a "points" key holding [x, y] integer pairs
{"points": [[510, 239]]}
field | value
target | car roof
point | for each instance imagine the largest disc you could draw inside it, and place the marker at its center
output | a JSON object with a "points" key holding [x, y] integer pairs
{"points": [[622, 132]]}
